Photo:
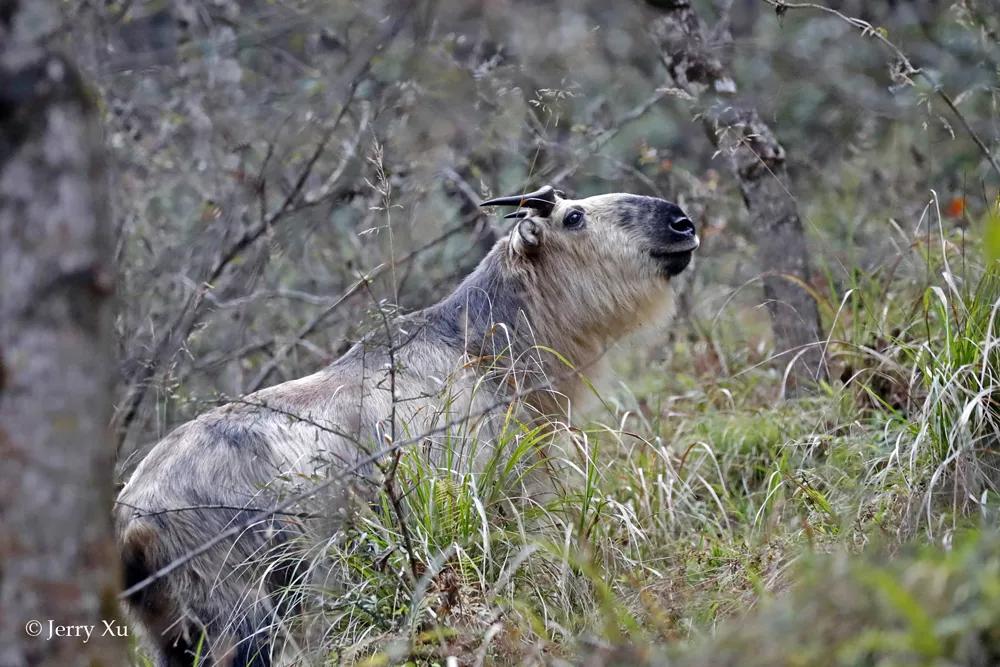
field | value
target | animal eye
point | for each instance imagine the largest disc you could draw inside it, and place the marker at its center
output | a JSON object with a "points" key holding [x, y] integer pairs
{"points": [[573, 219]]}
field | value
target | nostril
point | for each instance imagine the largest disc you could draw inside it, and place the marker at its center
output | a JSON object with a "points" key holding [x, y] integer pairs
{"points": [[682, 226]]}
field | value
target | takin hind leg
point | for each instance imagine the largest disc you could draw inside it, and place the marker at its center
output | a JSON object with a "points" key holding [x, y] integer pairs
{"points": [[246, 642]]}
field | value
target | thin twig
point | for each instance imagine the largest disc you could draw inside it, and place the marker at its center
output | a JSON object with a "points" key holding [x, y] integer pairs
{"points": [[908, 68], [184, 323], [389, 475], [353, 290], [143, 512], [595, 146]]}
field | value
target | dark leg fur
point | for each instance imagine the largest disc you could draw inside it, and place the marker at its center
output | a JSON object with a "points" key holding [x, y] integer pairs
{"points": [[185, 644], [244, 646], [179, 653]]}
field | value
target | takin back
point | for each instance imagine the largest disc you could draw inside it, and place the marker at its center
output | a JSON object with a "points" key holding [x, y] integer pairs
{"points": [[571, 278]]}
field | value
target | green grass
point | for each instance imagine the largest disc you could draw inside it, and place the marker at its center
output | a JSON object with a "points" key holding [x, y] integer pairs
{"points": [[927, 606]]}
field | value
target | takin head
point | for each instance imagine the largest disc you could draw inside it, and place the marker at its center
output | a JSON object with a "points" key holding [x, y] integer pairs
{"points": [[643, 231], [596, 268]]}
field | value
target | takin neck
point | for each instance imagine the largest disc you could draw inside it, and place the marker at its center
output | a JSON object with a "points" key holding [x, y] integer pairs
{"points": [[521, 319], [486, 314]]}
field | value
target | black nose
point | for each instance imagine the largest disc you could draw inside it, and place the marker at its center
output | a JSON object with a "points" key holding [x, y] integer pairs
{"points": [[682, 227]]}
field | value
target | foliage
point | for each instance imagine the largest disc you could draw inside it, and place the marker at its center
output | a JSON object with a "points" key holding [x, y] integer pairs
{"points": [[928, 607]]}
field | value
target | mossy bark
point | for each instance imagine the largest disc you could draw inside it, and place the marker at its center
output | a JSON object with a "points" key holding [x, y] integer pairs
{"points": [[58, 563], [758, 162]]}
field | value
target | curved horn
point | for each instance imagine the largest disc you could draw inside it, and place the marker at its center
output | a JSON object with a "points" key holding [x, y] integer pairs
{"points": [[543, 200]]}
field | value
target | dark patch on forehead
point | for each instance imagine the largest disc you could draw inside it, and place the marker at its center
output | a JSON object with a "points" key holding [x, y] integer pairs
{"points": [[635, 210], [628, 217]]}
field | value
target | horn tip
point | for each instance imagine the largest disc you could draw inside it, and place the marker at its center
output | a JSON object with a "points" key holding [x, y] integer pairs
{"points": [[543, 198]]}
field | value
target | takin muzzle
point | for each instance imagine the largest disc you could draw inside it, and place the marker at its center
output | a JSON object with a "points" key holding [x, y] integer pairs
{"points": [[572, 277]]}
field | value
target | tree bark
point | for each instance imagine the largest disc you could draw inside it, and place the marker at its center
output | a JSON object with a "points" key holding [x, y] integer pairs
{"points": [[757, 160], [58, 565]]}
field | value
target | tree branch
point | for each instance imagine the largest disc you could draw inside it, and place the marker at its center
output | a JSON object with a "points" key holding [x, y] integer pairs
{"points": [[906, 68], [757, 161]]}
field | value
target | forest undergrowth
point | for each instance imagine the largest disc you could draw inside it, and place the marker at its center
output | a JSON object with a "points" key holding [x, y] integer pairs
{"points": [[697, 519], [698, 514]]}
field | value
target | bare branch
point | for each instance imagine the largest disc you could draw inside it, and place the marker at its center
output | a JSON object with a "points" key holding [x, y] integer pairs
{"points": [[906, 67]]}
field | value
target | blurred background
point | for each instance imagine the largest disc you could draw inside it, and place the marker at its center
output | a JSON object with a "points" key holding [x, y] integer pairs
{"points": [[254, 145], [267, 158]]}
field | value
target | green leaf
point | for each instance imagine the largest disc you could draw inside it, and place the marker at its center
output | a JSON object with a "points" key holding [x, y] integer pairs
{"points": [[991, 233]]}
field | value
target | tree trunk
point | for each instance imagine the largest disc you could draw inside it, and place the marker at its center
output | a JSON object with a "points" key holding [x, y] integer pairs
{"points": [[58, 565], [757, 161]]}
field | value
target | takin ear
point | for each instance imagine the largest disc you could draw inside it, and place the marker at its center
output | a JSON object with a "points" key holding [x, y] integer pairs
{"points": [[526, 238]]}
